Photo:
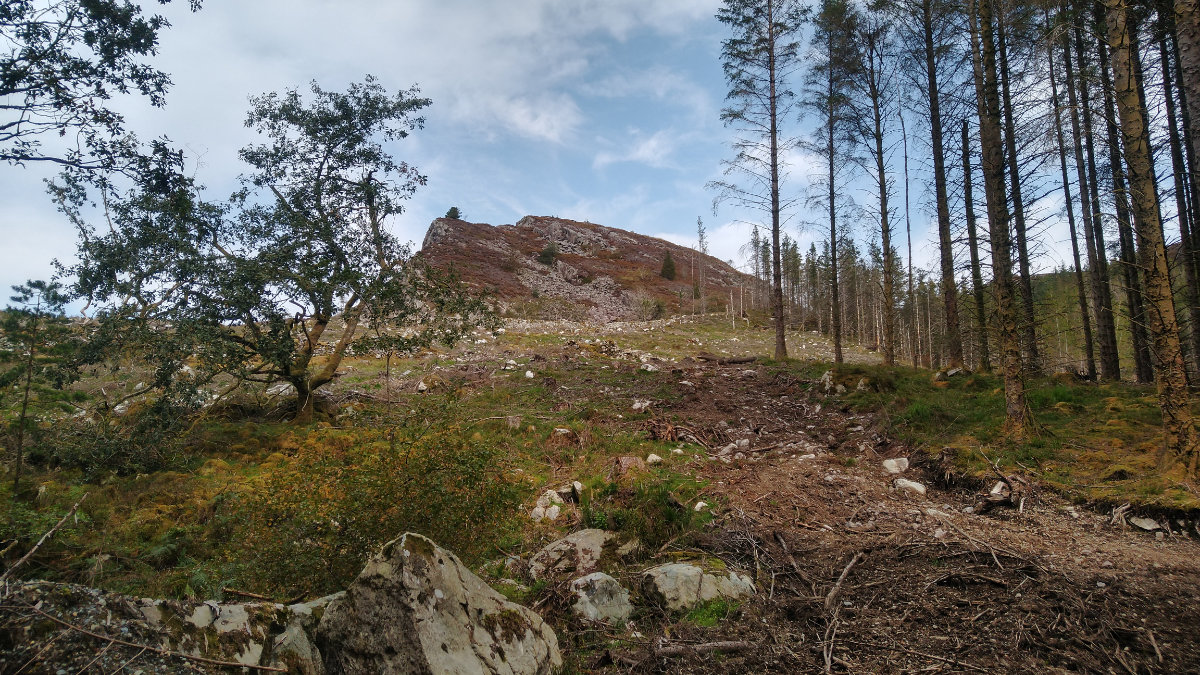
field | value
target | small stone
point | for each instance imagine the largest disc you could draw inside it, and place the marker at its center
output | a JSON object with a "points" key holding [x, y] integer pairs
{"points": [[552, 512], [640, 404], [808, 456], [1160, 535], [910, 486], [561, 431], [1107, 564], [677, 451], [529, 374], [700, 506], [513, 421], [939, 533], [1100, 584], [649, 368], [896, 466], [685, 383], [653, 459], [1147, 524], [749, 373], [422, 387]]}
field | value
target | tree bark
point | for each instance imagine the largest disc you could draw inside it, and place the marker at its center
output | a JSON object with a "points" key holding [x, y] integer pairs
{"points": [[1018, 419], [1180, 452], [1143, 370], [1184, 213], [1028, 321], [985, 359]]}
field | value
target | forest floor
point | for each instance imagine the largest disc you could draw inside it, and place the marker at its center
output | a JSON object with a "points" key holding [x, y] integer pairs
{"points": [[853, 573], [857, 576]]}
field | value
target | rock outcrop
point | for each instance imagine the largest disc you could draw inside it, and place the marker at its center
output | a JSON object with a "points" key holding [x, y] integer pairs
{"points": [[599, 273], [415, 608]]}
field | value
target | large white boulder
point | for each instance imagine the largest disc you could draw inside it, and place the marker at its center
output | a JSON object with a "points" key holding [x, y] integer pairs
{"points": [[415, 608]]}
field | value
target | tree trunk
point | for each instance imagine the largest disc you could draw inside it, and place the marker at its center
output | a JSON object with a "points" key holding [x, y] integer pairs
{"points": [[985, 359], [914, 323], [1180, 452], [833, 240], [1093, 232], [1028, 321], [1186, 232], [1018, 420], [1089, 350], [1143, 370], [1187, 32], [946, 243], [889, 282]]}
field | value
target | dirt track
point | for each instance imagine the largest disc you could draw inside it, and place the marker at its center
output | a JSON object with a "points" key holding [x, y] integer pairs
{"points": [[928, 587]]}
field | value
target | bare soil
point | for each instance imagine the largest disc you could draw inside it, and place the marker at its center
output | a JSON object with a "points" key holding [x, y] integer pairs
{"points": [[927, 586]]}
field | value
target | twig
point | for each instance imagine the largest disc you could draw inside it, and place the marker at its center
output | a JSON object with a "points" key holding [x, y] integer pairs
{"points": [[837, 587], [680, 650], [43, 540], [792, 559], [157, 650], [953, 662], [245, 594]]}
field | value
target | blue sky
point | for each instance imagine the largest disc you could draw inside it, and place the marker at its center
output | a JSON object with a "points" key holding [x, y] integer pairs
{"points": [[599, 110]]}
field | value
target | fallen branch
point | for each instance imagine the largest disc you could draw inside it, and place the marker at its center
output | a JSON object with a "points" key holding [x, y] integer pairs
{"points": [[245, 594], [681, 650], [792, 559], [43, 540], [726, 360], [911, 652], [837, 587], [157, 650]]}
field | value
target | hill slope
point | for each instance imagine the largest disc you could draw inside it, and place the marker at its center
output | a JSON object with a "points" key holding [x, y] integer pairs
{"points": [[601, 273]]}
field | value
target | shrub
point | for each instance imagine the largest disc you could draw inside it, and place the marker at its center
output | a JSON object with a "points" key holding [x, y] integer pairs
{"points": [[548, 254], [310, 525]]}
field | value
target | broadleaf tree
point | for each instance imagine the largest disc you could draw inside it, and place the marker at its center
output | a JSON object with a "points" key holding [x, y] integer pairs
{"points": [[283, 280], [61, 62]]}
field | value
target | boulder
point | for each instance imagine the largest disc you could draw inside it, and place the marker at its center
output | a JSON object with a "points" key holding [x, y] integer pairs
{"points": [[895, 466], [415, 608], [678, 586], [577, 553], [293, 648], [600, 598]]}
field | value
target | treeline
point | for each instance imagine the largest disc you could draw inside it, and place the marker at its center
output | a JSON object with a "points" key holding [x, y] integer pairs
{"points": [[1023, 129]]}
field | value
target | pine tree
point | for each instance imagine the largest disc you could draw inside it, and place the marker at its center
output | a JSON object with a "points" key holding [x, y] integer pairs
{"points": [[758, 60]]}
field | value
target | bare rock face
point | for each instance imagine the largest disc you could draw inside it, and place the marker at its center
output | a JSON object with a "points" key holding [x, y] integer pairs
{"points": [[415, 608]]}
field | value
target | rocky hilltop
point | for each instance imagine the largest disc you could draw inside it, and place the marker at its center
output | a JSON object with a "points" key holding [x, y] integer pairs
{"points": [[599, 273]]}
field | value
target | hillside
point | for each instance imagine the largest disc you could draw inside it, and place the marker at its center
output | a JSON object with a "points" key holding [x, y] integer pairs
{"points": [[600, 273]]}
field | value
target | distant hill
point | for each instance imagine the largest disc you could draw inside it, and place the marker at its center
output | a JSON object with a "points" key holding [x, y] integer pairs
{"points": [[600, 273]]}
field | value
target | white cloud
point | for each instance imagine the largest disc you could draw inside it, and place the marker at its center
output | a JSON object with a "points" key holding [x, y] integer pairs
{"points": [[654, 150]]}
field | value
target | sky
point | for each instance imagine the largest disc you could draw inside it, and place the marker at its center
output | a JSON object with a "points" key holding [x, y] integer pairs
{"points": [[598, 110]]}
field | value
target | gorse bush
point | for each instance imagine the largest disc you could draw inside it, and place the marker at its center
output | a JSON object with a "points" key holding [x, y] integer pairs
{"points": [[315, 518]]}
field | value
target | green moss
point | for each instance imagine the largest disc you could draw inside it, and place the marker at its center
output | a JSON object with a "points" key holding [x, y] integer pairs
{"points": [[711, 613]]}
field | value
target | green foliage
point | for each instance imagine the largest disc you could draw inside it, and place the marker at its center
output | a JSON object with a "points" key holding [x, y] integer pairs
{"points": [[548, 254], [711, 613], [454, 214], [36, 348], [253, 286], [654, 510], [668, 268], [61, 63], [343, 493]]}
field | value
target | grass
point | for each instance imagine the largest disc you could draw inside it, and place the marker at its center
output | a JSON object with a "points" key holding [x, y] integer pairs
{"points": [[264, 506], [709, 614], [1095, 442]]}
